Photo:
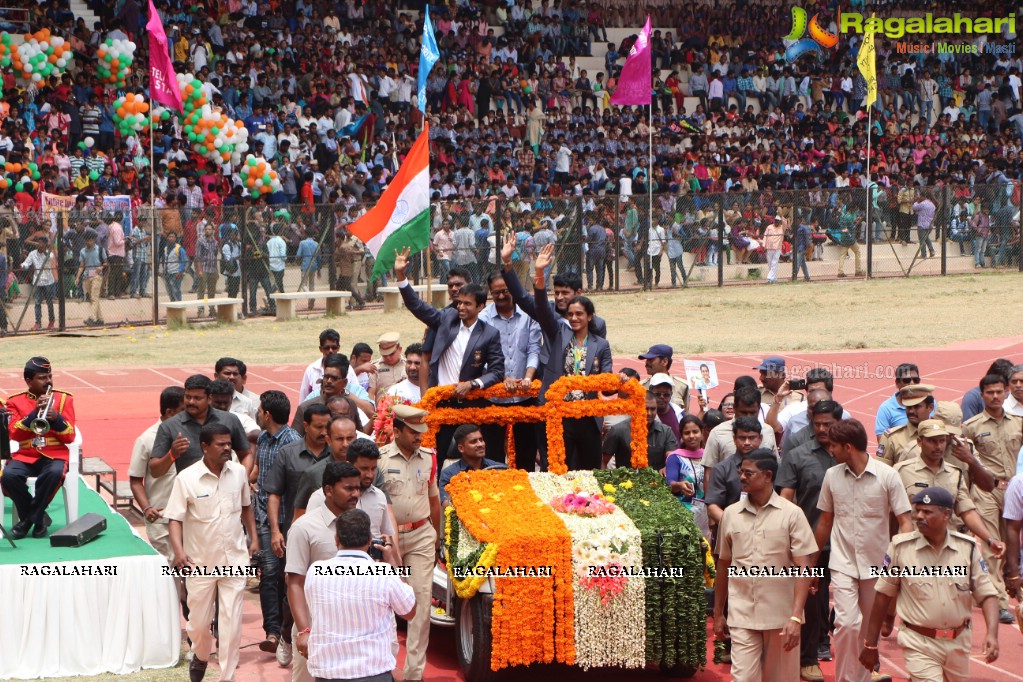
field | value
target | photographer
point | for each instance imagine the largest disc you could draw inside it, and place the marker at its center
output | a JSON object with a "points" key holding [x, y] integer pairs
{"points": [[351, 615]]}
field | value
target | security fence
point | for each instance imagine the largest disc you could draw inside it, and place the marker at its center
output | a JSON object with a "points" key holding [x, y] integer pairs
{"points": [[103, 267]]}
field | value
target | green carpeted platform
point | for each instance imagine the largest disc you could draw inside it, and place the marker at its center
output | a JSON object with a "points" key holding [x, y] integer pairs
{"points": [[117, 540]]}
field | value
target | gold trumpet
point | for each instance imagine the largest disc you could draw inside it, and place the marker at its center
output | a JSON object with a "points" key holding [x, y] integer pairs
{"points": [[40, 425]]}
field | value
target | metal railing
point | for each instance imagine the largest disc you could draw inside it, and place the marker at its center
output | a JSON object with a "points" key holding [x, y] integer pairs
{"points": [[611, 243]]}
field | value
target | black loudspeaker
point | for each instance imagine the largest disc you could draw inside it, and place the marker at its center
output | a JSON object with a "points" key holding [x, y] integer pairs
{"points": [[80, 532]]}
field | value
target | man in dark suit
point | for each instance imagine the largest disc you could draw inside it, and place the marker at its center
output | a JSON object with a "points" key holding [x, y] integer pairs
{"points": [[467, 351]]}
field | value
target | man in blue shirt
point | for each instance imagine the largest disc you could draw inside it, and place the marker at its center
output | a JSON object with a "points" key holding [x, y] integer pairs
{"points": [[471, 449], [892, 412], [520, 343], [307, 255]]}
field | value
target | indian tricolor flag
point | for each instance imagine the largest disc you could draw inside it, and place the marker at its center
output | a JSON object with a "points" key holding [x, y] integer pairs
{"points": [[402, 215]]}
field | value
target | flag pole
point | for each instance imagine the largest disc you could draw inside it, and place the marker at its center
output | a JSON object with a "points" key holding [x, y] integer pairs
{"points": [[648, 284], [152, 211], [870, 193]]}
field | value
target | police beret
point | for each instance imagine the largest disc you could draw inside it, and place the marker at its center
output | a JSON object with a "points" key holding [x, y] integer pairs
{"points": [[939, 497]]}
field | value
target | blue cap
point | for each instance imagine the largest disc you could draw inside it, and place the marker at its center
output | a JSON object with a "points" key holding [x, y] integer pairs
{"points": [[772, 364], [658, 350], [939, 497]]}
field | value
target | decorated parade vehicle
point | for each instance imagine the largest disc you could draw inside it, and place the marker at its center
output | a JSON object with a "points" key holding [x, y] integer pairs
{"points": [[595, 569]]}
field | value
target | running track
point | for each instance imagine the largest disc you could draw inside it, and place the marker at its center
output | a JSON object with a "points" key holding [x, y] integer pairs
{"points": [[115, 405]]}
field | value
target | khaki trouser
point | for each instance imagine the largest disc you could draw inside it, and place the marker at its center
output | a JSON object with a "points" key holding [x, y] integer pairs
{"points": [[201, 593], [206, 285], [843, 251], [936, 660], [419, 552], [94, 288], [989, 506], [853, 599], [758, 656]]}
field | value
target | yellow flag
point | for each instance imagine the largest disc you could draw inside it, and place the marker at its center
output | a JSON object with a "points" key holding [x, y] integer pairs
{"points": [[866, 61]]}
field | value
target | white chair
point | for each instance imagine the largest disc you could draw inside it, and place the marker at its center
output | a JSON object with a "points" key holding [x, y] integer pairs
{"points": [[70, 487]]}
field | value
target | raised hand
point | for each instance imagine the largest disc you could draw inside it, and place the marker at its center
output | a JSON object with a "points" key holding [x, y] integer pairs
{"points": [[401, 262], [508, 248], [545, 258]]}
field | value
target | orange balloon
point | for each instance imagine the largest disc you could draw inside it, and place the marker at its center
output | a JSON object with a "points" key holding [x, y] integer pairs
{"points": [[250, 181], [143, 107], [16, 167]]}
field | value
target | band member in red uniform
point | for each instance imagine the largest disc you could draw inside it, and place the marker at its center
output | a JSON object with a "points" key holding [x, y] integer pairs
{"points": [[42, 447]]}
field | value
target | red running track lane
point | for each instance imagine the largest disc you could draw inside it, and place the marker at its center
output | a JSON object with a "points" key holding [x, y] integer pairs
{"points": [[115, 405]]}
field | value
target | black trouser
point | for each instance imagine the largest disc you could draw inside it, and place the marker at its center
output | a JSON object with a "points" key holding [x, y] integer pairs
{"points": [[815, 615], [524, 434], [232, 285], [595, 263], [382, 677], [115, 278], [49, 475], [905, 224], [582, 443], [347, 283]]}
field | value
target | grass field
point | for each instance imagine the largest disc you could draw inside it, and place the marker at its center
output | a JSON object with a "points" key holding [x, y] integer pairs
{"points": [[856, 314]]}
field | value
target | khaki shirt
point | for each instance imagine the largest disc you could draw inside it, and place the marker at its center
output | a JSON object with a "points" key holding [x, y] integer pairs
{"points": [[158, 490], [916, 476], [372, 501], [313, 537], [721, 442], [409, 483], [387, 375], [938, 602], [767, 398], [997, 442], [906, 197], [898, 443], [679, 390], [861, 505], [773, 536], [209, 508]]}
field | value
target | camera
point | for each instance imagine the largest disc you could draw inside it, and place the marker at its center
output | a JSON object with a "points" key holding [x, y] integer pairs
{"points": [[797, 384], [376, 546]]}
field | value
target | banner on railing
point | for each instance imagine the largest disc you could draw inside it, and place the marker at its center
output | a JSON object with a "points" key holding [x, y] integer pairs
{"points": [[52, 203]]}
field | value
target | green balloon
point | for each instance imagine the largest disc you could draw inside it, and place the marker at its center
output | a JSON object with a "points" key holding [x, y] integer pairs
{"points": [[36, 175], [164, 115], [94, 175], [254, 193], [266, 178], [6, 38], [252, 162]]}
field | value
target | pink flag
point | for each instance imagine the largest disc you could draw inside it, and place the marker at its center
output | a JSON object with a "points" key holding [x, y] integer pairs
{"points": [[635, 83], [163, 83]]}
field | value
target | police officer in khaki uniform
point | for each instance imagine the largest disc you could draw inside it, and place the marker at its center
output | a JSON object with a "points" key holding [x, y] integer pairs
{"points": [[411, 483], [930, 469], [997, 436], [390, 366], [899, 442], [934, 609]]}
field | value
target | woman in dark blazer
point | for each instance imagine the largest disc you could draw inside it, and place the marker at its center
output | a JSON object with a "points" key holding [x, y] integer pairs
{"points": [[573, 351]]}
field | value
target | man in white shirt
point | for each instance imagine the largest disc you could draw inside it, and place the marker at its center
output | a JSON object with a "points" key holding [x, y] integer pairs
{"points": [[1014, 401], [351, 617], [151, 493], [206, 533], [408, 389], [241, 404], [42, 263], [330, 342]]}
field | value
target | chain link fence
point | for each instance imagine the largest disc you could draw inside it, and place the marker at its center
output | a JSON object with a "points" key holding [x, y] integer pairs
{"points": [[97, 266]]}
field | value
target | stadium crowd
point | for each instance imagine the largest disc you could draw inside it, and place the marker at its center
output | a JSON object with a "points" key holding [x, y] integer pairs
{"points": [[327, 93]]}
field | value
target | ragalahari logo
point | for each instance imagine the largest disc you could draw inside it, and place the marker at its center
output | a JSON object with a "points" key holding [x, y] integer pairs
{"points": [[820, 38]]}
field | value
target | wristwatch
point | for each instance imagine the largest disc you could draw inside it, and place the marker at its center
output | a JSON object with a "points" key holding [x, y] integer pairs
{"points": [[478, 383]]}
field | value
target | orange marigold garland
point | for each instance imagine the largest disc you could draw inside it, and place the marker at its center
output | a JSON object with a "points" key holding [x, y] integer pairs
{"points": [[631, 401], [534, 618], [494, 414]]}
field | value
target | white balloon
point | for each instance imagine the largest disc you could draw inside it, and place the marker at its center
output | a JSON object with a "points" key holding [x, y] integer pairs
{"points": [[36, 77], [89, 142], [27, 68], [61, 63], [218, 143]]}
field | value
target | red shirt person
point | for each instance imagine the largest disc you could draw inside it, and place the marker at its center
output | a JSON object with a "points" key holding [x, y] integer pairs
{"points": [[43, 456]]}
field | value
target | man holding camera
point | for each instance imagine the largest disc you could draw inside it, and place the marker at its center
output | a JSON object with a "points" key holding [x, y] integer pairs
{"points": [[772, 378], [351, 627], [312, 538]]}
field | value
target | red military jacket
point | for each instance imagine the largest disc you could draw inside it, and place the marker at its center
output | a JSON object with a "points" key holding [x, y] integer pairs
{"points": [[20, 405]]}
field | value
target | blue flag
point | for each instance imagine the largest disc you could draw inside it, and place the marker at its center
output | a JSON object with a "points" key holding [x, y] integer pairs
{"points": [[353, 128], [428, 56]]}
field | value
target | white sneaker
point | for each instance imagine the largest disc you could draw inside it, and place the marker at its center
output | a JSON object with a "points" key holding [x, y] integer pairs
{"points": [[283, 653]]}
